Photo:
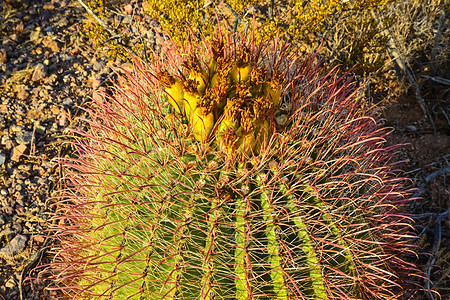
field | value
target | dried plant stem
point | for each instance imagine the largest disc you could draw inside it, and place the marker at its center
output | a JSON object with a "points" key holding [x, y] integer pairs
{"points": [[429, 178], [438, 79], [436, 246], [397, 58], [437, 40], [114, 35], [100, 21], [228, 10]]}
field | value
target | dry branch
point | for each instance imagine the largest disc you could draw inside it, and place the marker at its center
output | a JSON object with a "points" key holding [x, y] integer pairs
{"points": [[397, 58], [429, 178], [114, 35]]}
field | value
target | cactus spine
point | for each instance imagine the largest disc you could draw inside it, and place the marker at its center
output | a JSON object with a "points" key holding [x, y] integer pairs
{"points": [[230, 170]]}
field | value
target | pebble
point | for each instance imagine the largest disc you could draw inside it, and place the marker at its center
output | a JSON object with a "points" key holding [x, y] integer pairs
{"points": [[53, 45], [24, 137], [63, 121], [18, 151], [99, 65], [15, 246], [23, 94], [2, 159], [52, 80], [35, 35], [39, 129], [3, 56], [39, 73], [15, 128]]}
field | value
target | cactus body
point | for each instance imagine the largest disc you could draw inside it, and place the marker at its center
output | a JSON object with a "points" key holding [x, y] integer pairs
{"points": [[285, 199]]}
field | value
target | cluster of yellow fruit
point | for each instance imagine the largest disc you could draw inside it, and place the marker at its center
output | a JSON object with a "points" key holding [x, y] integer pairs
{"points": [[231, 101]]}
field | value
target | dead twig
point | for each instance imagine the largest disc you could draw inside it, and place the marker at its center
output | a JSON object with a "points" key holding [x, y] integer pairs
{"points": [[438, 79], [437, 40], [429, 178], [426, 215], [100, 21], [434, 251], [397, 58], [114, 35], [429, 165], [230, 11], [33, 261]]}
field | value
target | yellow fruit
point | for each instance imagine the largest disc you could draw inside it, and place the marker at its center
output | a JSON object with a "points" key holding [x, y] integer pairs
{"points": [[201, 82], [175, 95], [214, 80], [273, 92], [240, 73], [190, 103], [246, 140], [202, 124], [226, 124]]}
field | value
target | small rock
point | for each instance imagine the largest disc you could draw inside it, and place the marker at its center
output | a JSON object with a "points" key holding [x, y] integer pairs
{"points": [[412, 128], [39, 73], [68, 102], [63, 22], [39, 129], [23, 94], [63, 121], [9, 210], [18, 151], [21, 176], [3, 56], [19, 27], [53, 45], [96, 81], [39, 238], [14, 37], [16, 128], [2, 159], [99, 65], [15, 246], [55, 110], [24, 137], [128, 9], [52, 80], [35, 35]]}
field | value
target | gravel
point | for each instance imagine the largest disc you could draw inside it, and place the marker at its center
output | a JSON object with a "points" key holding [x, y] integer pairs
{"points": [[45, 72], [48, 70]]}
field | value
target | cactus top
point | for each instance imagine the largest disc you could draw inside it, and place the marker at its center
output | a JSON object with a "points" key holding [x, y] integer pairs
{"points": [[230, 101]]}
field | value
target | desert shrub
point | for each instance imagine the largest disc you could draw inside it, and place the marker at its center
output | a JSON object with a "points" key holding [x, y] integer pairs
{"points": [[349, 31]]}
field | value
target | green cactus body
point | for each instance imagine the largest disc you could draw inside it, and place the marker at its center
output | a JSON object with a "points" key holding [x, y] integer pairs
{"points": [[289, 196]]}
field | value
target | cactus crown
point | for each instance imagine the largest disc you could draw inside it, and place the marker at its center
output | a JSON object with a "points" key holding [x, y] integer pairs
{"points": [[232, 95], [227, 170]]}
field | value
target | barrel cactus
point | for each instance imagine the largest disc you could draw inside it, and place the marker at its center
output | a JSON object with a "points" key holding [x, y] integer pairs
{"points": [[227, 169]]}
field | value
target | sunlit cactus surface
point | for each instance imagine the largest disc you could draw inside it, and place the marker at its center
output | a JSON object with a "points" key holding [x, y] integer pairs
{"points": [[231, 170]]}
